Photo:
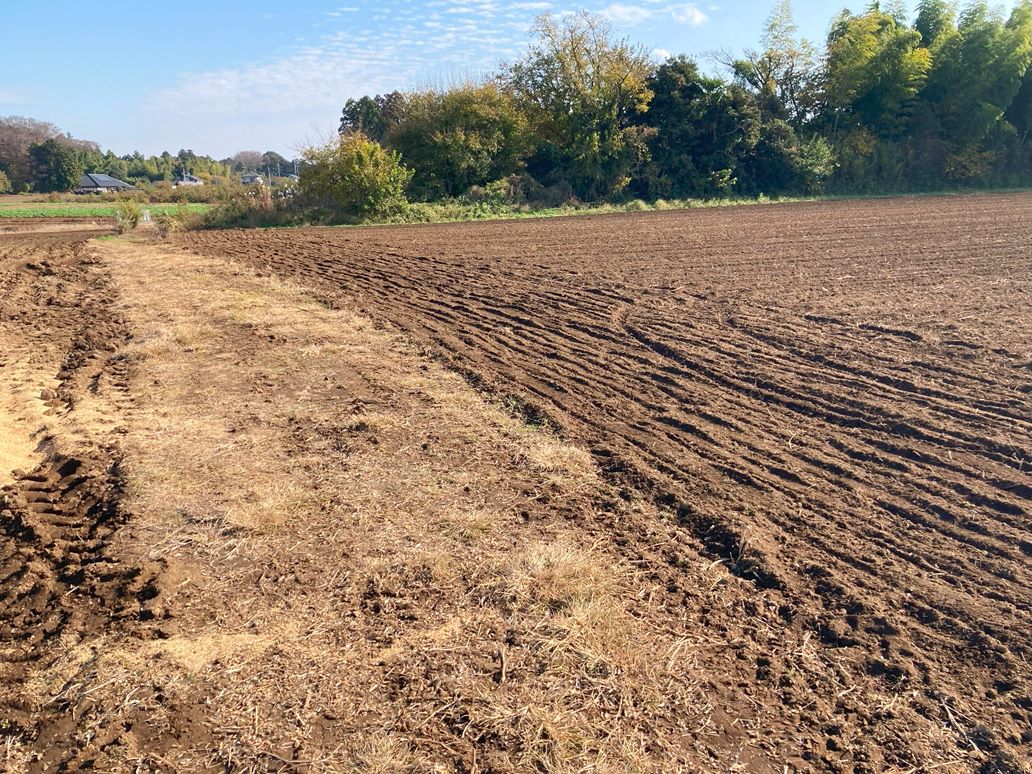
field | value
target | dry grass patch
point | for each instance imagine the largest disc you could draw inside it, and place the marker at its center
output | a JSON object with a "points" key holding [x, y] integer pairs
{"points": [[368, 566], [381, 755]]}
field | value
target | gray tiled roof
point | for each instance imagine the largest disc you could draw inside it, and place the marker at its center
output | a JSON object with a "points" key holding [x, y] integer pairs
{"points": [[97, 180]]}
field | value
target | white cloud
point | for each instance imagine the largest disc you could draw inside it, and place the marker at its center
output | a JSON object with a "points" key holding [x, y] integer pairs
{"points": [[628, 14], [689, 14], [661, 54], [276, 100], [623, 13], [286, 98]]}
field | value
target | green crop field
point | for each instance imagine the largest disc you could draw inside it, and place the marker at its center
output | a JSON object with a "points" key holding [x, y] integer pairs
{"points": [[85, 209]]}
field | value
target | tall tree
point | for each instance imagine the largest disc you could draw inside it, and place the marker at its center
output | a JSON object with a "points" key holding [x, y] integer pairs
{"points": [[704, 129], [17, 135], [582, 90], [1019, 113], [897, 9], [784, 76], [374, 117], [979, 71], [466, 136], [935, 19], [276, 164], [55, 166], [875, 68]]}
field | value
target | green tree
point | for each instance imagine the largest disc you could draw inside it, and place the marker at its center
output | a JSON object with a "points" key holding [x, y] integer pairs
{"points": [[463, 137], [972, 102], [276, 164], [817, 163], [582, 91], [5, 184], [114, 166], [935, 20], [704, 129], [1019, 112], [784, 76], [875, 68], [775, 165], [785, 79], [1015, 161], [355, 174], [374, 117], [54, 166], [897, 9]]}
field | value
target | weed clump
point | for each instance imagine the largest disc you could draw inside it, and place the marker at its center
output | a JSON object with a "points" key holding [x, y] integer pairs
{"points": [[127, 216]]}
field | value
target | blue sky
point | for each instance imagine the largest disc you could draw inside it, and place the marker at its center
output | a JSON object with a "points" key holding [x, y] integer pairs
{"points": [[220, 76]]}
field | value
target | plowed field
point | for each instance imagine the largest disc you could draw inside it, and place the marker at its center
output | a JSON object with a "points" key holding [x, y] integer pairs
{"points": [[834, 400]]}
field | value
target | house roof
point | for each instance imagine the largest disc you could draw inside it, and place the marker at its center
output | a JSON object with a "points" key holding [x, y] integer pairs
{"points": [[97, 180]]}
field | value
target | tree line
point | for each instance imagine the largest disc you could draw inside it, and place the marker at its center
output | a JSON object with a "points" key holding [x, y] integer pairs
{"points": [[889, 103], [36, 156]]}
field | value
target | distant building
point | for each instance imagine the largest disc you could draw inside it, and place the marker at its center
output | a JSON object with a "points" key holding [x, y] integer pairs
{"points": [[252, 178], [292, 178], [187, 179], [97, 183]]}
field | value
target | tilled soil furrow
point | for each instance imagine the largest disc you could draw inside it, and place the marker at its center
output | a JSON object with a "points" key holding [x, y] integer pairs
{"points": [[831, 398], [62, 581]]}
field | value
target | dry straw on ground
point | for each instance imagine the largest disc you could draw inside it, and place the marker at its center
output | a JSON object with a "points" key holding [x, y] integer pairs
{"points": [[367, 566]]}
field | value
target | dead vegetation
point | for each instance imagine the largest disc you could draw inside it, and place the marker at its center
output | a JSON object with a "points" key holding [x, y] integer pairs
{"points": [[366, 566]]}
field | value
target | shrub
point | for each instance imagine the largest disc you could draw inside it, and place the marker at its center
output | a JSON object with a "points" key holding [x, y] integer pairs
{"points": [[969, 165], [817, 163], [5, 183], [174, 220], [356, 175], [559, 195], [721, 182], [513, 189], [249, 208], [127, 215], [209, 193]]}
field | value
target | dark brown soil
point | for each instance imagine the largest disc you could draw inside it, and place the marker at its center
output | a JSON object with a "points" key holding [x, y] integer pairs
{"points": [[60, 582], [833, 399]]}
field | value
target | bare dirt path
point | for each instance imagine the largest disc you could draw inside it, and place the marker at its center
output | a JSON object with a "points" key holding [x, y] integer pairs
{"points": [[831, 399], [63, 402], [306, 547]]}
